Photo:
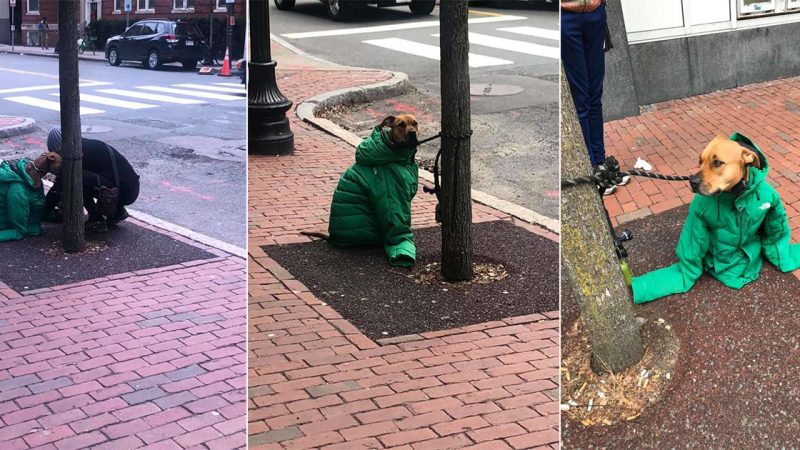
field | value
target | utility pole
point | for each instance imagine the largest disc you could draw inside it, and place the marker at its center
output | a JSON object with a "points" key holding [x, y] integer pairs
{"points": [[590, 265], [71, 151], [456, 130]]}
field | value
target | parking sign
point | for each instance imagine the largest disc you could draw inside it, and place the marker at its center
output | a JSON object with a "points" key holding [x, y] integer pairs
{"points": [[128, 6], [12, 3]]}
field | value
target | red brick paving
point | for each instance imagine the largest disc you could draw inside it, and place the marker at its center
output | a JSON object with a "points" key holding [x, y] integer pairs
{"points": [[672, 135], [127, 361], [317, 382]]}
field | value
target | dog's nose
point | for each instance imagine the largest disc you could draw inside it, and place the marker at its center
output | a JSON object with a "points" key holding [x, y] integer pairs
{"points": [[694, 182]]}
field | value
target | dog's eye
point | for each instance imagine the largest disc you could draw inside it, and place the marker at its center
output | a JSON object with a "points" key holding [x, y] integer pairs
{"points": [[717, 163]]}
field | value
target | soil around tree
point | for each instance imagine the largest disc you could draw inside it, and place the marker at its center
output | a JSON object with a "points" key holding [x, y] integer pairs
{"points": [[384, 301], [735, 384], [38, 262]]}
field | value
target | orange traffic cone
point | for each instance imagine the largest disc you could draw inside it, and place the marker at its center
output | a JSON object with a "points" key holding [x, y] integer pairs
{"points": [[226, 66]]}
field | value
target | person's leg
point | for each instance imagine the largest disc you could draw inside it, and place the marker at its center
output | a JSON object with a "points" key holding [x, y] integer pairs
{"points": [[594, 38], [574, 60], [91, 184]]}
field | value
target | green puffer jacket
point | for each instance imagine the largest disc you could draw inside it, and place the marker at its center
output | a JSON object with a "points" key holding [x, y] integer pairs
{"points": [[726, 236], [21, 204], [372, 202]]}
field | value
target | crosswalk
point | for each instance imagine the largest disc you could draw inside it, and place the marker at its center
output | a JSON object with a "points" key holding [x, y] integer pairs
{"points": [[495, 47], [132, 98]]}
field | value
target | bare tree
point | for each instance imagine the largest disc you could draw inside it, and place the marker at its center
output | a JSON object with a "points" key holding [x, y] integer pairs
{"points": [[589, 262], [72, 166], [456, 178]]}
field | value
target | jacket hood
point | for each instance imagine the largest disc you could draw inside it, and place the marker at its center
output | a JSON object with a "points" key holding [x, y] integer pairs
{"points": [[377, 150], [757, 176], [14, 172]]}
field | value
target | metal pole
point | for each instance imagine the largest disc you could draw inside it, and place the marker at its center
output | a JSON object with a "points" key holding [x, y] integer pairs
{"points": [[13, 28], [229, 32], [268, 128]]}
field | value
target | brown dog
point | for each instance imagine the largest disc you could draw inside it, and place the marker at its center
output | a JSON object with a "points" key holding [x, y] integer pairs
{"points": [[404, 132], [49, 162], [723, 164]]}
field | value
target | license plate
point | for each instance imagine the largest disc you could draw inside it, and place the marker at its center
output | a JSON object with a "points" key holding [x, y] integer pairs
{"points": [[189, 43]]}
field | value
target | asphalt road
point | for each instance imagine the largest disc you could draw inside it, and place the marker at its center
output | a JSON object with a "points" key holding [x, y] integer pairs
{"points": [[514, 55], [184, 134]]}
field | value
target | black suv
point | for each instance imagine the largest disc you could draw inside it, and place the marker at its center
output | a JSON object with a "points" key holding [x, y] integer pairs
{"points": [[157, 41]]}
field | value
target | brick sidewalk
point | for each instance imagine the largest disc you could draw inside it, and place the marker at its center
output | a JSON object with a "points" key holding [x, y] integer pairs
{"points": [[151, 359], [672, 135], [315, 381]]}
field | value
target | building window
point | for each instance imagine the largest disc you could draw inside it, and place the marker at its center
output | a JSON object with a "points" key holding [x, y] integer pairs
{"points": [[144, 5], [221, 5], [187, 5], [33, 6], [118, 5]]}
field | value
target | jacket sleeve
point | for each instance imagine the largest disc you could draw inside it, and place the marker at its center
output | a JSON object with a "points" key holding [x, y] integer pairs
{"points": [[394, 215], [776, 236], [680, 277], [18, 214]]}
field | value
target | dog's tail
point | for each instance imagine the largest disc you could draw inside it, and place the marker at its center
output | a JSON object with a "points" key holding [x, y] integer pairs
{"points": [[316, 234]]}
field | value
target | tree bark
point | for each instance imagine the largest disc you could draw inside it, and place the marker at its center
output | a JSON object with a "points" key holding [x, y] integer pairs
{"points": [[456, 178], [71, 152], [589, 261]]}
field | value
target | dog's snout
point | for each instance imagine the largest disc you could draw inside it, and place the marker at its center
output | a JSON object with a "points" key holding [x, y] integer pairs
{"points": [[694, 182]]}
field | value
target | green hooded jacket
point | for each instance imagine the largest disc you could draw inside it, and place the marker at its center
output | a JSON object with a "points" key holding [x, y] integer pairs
{"points": [[725, 236], [21, 204], [372, 202]]}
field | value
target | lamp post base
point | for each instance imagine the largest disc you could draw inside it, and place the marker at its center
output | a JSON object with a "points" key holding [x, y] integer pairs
{"points": [[268, 131]]}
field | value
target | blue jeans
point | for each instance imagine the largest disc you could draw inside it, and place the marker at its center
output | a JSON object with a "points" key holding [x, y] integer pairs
{"points": [[582, 40]]}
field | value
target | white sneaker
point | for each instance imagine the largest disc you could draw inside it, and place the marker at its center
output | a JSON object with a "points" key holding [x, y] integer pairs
{"points": [[624, 181], [610, 190]]}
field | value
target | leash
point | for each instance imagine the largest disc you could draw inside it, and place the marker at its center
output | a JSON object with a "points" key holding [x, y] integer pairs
{"points": [[437, 187]]}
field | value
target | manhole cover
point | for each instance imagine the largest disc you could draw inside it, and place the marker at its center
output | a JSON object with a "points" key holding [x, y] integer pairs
{"points": [[494, 90], [92, 129]]}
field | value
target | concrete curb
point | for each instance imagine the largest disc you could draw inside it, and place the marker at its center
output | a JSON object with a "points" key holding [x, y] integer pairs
{"points": [[398, 84], [15, 130], [21, 51]]}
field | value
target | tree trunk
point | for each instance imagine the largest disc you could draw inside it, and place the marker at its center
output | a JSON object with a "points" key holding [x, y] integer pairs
{"points": [[589, 261], [71, 167], [456, 179]]}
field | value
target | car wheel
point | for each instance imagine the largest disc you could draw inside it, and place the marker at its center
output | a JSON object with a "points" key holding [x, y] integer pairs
{"points": [[338, 9], [113, 56], [422, 8], [153, 60], [189, 64], [284, 5]]}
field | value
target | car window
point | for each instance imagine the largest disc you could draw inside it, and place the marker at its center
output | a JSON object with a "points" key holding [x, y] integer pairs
{"points": [[160, 28], [186, 29], [147, 29], [134, 30]]}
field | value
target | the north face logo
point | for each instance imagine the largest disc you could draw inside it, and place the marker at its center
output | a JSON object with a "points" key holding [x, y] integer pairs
{"points": [[766, 205]]}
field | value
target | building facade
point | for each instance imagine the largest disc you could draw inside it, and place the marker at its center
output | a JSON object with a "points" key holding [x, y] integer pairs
{"points": [[33, 11], [668, 49]]}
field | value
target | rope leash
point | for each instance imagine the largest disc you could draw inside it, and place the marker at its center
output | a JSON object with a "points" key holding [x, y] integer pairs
{"points": [[437, 187]]}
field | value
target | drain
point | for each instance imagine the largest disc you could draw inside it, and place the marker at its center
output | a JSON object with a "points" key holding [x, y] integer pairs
{"points": [[92, 129], [493, 90]]}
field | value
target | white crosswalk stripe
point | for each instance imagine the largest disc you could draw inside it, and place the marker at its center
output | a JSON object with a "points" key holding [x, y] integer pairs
{"points": [[393, 27], [206, 87], [533, 31], [208, 95], [512, 45], [239, 85], [432, 51], [125, 104], [49, 104], [152, 97]]}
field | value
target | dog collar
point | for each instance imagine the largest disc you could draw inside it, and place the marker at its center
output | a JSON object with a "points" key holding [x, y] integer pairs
{"points": [[38, 170], [739, 188]]}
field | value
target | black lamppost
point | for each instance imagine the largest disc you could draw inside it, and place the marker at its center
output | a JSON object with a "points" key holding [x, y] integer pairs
{"points": [[268, 128]]}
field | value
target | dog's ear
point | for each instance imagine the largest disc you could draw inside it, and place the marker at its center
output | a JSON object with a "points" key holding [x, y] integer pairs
{"points": [[53, 157], [751, 157], [388, 122]]}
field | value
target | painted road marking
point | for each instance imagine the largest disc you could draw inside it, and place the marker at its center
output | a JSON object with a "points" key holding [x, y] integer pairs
{"points": [[112, 102], [513, 46], [46, 87], [212, 88], [394, 27], [533, 31], [48, 104], [432, 51], [239, 85], [153, 97], [209, 95]]}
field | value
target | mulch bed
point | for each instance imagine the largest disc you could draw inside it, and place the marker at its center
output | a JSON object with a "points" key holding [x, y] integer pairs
{"points": [[385, 301], [735, 383], [39, 261]]}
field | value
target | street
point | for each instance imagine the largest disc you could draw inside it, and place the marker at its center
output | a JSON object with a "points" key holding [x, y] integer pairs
{"points": [[182, 132], [514, 74]]}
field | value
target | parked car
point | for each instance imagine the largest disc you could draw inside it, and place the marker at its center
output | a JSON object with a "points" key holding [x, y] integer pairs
{"points": [[240, 69], [157, 41], [342, 9]]}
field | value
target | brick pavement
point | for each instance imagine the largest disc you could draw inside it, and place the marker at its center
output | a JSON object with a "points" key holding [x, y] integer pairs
{"points": [[315, 381], [151, 359]]}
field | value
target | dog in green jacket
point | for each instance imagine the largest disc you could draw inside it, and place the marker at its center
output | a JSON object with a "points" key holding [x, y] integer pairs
{"points": [[735, 218], [372, 202], [22, 195]]}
